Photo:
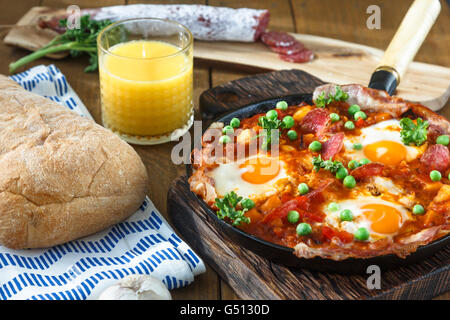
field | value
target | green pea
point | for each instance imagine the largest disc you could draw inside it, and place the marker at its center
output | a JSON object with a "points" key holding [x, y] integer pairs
{"points": [[228, 130], [357, 146], [362, 234], [224, 139], [247, 203], [360, 114], [444, 140], [293, 216], [282, 105], [272, 114], [341, 173], [303, 188], [292, 135], [334, 117], [349, 125], [349, 182], [288, 122], [418, 209], [333, 206], [235, 123], [448, 176], [353, 164], [346, 215], [435, 175], [364, 161], [303, 229], [315, 146], [354, 108]]}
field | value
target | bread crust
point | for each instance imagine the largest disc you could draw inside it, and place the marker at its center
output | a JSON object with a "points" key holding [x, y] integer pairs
{"points": [[62, 176]]}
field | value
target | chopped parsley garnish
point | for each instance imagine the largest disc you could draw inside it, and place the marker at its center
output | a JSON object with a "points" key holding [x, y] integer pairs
{"points": [[330, 165], [414, 133], [323, 101], [268, 125], [227, 208]]}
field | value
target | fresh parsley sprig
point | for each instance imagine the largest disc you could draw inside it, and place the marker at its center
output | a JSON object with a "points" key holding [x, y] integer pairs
{"points": [[268, 125], [330, 165], [227, 208], [322, 101], [414, 133], [76, 41]]}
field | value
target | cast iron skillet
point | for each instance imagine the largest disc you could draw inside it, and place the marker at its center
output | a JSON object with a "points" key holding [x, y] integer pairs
{"points": [[284, 255]]}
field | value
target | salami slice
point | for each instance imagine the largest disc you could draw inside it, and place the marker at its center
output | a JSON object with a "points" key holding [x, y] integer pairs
{"points": [[305, 55], [315, 121], [205, 22], [436, 157], [332, 146], [296, 47], [368, 170], [278, 39]]}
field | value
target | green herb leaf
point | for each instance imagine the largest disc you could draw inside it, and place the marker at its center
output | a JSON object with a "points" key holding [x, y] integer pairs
{"points": [[76, 41], [414, 133], [227, 209], [268, 125], [330, 165], [323, 101]]}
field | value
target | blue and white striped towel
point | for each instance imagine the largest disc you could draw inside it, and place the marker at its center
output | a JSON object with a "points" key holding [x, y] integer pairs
{"points": [[82, 269]]}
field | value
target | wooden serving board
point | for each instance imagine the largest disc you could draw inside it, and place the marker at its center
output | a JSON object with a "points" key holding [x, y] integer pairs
{"points": [[336, 61], [254, 277]]}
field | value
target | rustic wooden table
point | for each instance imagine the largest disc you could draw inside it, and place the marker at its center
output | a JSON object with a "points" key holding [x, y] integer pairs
{"points": [[343, 19]]}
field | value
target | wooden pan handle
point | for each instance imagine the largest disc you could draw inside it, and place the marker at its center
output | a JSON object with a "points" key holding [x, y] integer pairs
{"points": [[407, 40]]}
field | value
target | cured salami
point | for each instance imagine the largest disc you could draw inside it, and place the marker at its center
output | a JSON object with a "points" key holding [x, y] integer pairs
{"points": [[298, 57], [368, 170], [315, 121], [277, 39], [205, 22], [437, 157], [332, 146], [287, 46], [296, 47]]}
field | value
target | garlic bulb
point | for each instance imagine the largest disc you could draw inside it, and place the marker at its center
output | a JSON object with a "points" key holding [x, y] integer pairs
{"points": [[137, 287]]}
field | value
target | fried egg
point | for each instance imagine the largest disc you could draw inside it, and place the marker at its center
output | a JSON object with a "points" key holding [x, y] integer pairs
{"points": [[380, 217], [250, 177], [381, 143]]}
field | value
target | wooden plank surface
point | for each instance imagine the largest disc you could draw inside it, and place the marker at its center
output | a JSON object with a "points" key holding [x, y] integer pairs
{"points": [[301, 16]]}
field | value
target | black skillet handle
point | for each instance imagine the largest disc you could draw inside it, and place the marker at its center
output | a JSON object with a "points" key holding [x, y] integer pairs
{"points": [[406, 42]]}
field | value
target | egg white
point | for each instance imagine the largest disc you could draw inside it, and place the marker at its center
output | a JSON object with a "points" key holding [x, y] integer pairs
{"points": [[385, 130], [359, 220], [227, 178]]}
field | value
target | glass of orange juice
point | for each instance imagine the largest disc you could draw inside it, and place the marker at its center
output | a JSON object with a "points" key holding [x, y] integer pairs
{"points": [[146, 80]]}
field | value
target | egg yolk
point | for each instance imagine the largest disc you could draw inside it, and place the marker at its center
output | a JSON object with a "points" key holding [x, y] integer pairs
{"points": [[385, 219], [387, 152], [260, 170]]}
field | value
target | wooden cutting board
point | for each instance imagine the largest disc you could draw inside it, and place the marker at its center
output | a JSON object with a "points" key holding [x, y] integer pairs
{"points": [[336, 61], [254, 277]]}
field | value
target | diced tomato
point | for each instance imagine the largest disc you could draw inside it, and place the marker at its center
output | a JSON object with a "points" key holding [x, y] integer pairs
{"points": [[286, 197], [300, 202], [345, 237], [360, 123], [313, 216], [329, 233], [254, 215], [271, 203]]}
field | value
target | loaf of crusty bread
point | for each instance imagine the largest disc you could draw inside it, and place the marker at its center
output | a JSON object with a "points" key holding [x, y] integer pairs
{"points": [[62, 176]]}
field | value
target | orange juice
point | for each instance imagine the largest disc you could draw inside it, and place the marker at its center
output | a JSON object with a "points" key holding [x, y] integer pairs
{"points": [[146, 88]]}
